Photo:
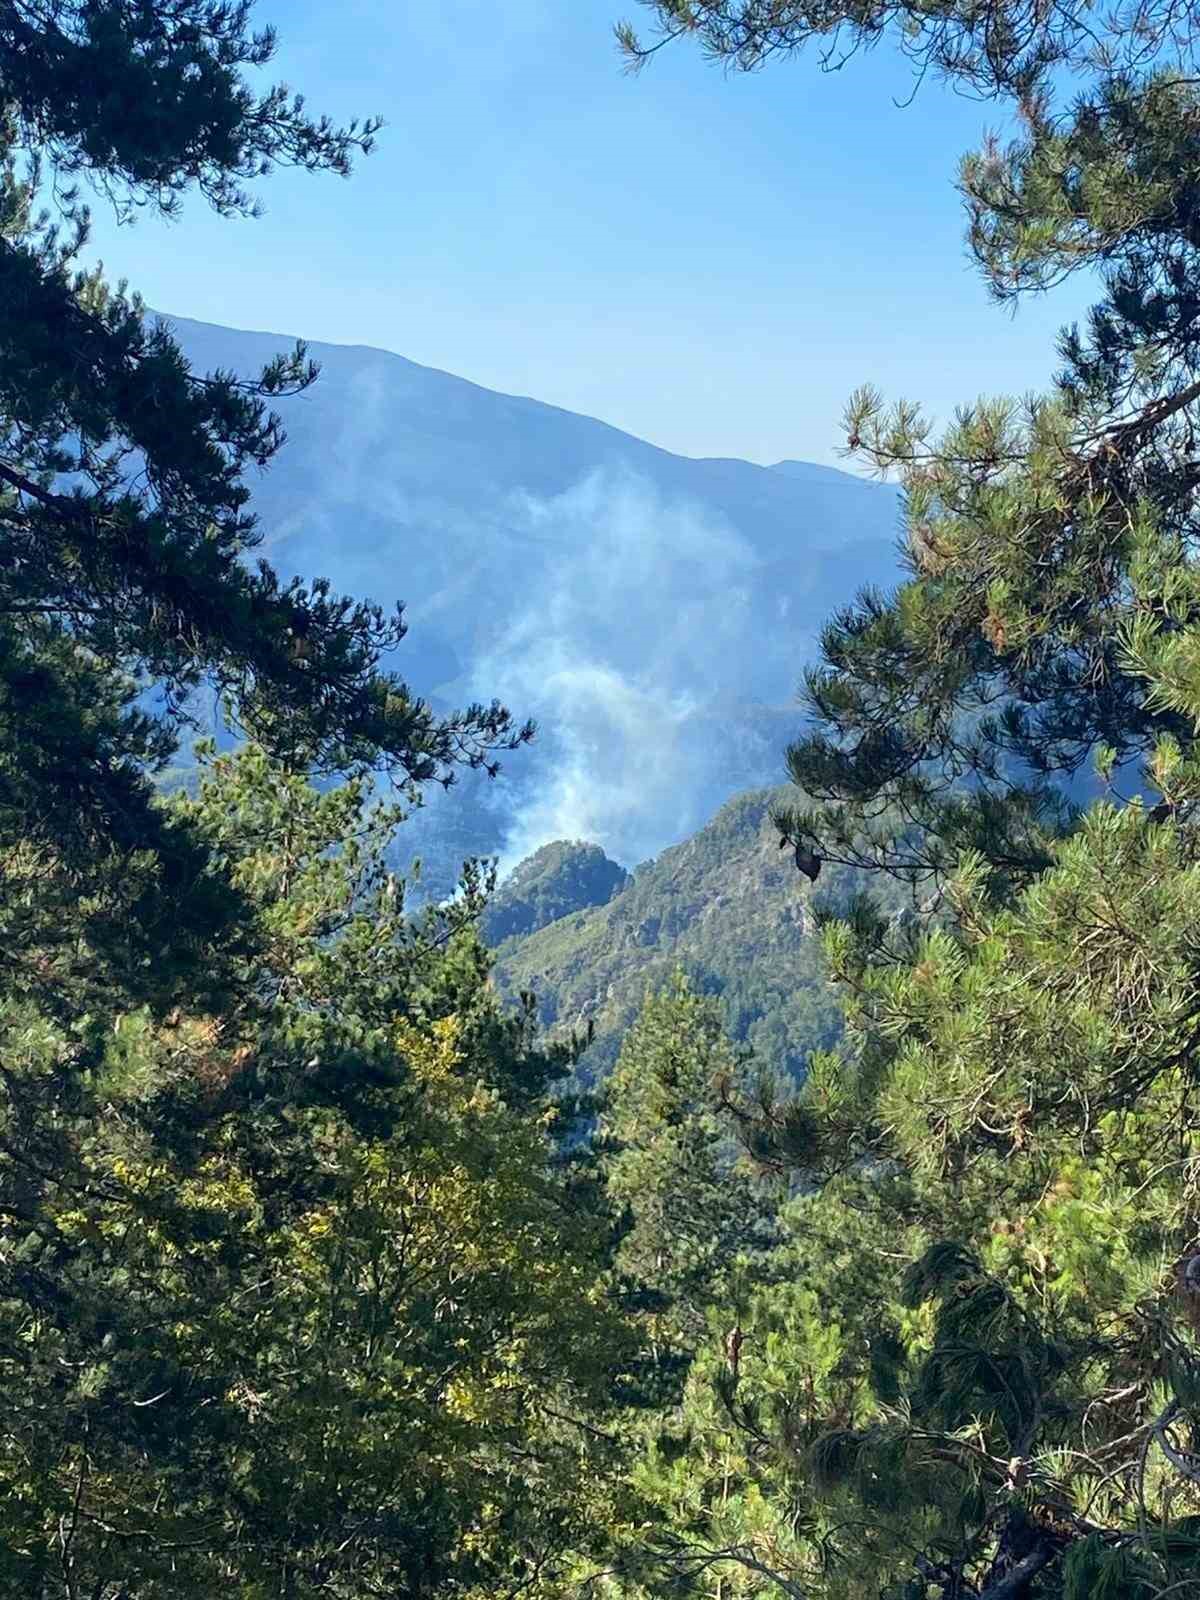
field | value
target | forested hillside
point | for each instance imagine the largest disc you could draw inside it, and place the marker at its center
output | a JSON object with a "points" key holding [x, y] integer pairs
{"points": [[728, 908], [561, 877]]}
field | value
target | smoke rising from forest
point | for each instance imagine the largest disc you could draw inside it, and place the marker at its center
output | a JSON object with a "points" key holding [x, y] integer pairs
{"points": [[630, 593], [652, 612]]}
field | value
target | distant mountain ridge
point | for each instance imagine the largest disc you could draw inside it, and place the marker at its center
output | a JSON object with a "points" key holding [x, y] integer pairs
{"points": [[653, 612]]}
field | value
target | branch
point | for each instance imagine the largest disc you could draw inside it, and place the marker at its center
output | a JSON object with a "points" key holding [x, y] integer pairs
{"points": [[1182, 1460], [698, 1559], [1150, 416], [1012, 1585], [27, 486]]}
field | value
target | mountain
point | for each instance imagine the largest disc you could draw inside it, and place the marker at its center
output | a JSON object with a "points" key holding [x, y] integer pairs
{"points": [[651, 611], [728, 907], [562, 877]]}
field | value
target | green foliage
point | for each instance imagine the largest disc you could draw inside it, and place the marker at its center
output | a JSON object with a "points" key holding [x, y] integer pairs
{"points": [[692, 1213], [89, 88], [973, 1369], [298, 1294], [292, 1295]]}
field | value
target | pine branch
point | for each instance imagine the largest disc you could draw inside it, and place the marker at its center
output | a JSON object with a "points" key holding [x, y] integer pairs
{"points": [[1012, 1586], [24, 485], [696, 1560], [1182, 1460]]}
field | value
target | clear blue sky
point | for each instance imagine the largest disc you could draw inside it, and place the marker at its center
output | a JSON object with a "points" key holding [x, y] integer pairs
{"points": [[709, 261]]}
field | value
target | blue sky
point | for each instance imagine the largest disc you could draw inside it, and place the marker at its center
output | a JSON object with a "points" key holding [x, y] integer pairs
{"points": [[710, 261]]}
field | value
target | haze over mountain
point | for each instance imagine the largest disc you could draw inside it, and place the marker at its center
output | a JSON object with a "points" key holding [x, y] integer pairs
{"points": [[653, 612]]}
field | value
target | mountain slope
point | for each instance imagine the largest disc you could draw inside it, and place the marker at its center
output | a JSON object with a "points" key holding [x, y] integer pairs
{"points": [[729, 907], [651, 611], [562, 877]]}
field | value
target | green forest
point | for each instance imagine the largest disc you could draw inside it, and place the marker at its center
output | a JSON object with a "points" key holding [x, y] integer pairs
{"points": [[725, 1230]]}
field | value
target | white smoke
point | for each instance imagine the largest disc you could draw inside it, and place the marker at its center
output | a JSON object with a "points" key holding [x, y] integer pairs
{"points": [[623, 594]]}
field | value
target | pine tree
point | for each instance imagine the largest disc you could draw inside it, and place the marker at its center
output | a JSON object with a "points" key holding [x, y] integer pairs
{"points": [[295, 1299], [1051, 590], [978, 1377], [124, 521], [693, 1217]]}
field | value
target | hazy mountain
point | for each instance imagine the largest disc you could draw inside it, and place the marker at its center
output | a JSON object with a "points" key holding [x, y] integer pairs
{"points": [[562, 877], [729, 907], [651, 611]]}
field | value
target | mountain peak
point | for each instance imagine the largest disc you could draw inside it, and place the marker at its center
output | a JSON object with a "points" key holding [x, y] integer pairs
{"points": [[560, 878]]}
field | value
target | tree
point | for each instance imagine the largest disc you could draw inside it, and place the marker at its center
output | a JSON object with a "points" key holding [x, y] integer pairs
{"points": [[123, 503], [997, 49], [1051, 593], [980, 1380], [692, 1213], [294, 1297], [975, 1345]]}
